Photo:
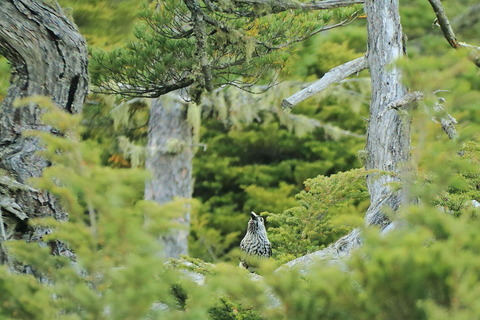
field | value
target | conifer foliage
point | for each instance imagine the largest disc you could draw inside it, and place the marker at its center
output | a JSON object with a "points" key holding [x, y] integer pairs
{"points": [[206, 44], [111, 233]]}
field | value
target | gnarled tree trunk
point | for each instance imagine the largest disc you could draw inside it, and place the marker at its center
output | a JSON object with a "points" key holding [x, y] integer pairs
{"points": [[48, 58], [169, 160]]}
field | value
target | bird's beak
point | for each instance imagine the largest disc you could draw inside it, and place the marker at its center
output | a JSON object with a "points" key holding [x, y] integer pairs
{"points": [[253, 215]]}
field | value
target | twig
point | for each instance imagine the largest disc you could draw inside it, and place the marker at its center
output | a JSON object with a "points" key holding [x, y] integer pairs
{"points": [[334, 75], [322, 29]]}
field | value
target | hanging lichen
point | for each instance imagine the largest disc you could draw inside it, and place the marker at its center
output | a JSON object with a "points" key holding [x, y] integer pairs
{"points": [[174, 146], [120, 115], [131, 151]]}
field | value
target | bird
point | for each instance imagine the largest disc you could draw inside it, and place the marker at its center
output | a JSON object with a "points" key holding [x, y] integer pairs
{"points": [[255, 243]]}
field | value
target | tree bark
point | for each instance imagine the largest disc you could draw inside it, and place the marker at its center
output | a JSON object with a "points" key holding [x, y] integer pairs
{"points": [[169, 160], [48, 58], [388, 138]]}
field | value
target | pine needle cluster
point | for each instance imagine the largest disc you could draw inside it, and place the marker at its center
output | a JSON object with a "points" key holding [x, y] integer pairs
{"points": [[207, 44]]}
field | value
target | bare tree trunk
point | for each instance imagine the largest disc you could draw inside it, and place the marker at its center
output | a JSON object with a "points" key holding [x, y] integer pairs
{"points": [[48, 58], [388, 139], [169, 160]]}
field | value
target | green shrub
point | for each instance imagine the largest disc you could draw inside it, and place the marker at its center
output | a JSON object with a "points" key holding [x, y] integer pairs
{"points": [[327, 210]]}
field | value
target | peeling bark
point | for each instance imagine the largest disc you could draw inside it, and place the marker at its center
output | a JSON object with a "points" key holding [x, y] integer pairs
{"points": [[169, 160], [48, 58]]}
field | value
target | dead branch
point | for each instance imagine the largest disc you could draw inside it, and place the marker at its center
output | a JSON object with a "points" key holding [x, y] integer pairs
{"points": [[448, 33], [406, 100], [334, 75]]}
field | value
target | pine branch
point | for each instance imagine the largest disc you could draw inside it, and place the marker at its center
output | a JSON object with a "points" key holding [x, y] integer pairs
{"points": [[154, 91], [278, 6], [214, 49], [334, 75], [324, 28]]}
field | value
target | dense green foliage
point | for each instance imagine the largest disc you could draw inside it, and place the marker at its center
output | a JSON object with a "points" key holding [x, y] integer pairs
{"points": [[429, 263], [105, 23], [281, 152], [112, 233], [427, 268], [327, 209], [259, 169], [262, 166], [257, 157]]}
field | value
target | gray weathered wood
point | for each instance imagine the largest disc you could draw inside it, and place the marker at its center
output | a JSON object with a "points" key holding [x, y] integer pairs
{"points": [[388, 138], [49, 58], [169, 160], [332, 76], [333, 253]]}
